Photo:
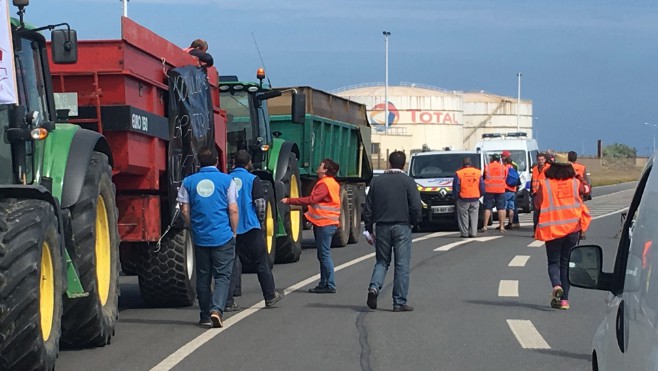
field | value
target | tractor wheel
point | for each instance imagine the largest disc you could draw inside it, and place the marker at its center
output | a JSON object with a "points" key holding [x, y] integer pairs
{"points": [[355, 214], [289, 247], [269, 230], [168, 277], [94, 250], [342, 235], [31, 285]]}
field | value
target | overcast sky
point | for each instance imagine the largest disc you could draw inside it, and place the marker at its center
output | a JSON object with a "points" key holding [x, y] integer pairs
{"points": [[589, 66]]}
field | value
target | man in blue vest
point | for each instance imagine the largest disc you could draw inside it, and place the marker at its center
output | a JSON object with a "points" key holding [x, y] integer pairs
{"points": [[208, 202], [250, 239]]}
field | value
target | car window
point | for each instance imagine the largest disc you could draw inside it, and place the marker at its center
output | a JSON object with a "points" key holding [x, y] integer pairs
{"points": [[441, 165], [519, 157]]}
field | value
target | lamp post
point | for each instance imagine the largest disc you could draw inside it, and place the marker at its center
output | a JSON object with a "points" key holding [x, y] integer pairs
{"points": [[518, 102], [386, 35], [125, 8], [654, 135]]}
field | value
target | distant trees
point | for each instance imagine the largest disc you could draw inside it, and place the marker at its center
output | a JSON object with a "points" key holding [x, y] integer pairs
{"points": [[619, 155]]}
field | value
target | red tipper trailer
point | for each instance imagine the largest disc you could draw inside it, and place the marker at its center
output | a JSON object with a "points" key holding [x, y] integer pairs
{"points": [[123, 92]]}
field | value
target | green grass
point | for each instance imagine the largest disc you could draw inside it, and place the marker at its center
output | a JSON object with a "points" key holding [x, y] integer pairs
{"points": [[610, 175]]}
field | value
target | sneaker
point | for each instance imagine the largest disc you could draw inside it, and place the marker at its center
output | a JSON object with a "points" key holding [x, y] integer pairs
{"points": [[402, 308], [516, 225], [278, 295], [216, 319], [460, 236], [555, 303], [564, 304], [205, 322], [233, 307], [322, 290], [557, 292], [508, 226], [372, 298]]}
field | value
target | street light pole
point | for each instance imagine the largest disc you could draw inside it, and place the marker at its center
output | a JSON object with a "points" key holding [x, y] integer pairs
{"points": [[654, 135], [386, 35], [125, 8], [518, 102]]}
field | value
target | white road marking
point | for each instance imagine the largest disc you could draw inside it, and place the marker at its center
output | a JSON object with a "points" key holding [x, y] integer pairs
{"points": [[519, 261], [455, 244], [536, 243], [508, 288], [527, 335], [612, 213], [175, 358]]}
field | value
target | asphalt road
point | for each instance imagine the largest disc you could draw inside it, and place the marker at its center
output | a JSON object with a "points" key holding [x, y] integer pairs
{"points": [[480, 304]]}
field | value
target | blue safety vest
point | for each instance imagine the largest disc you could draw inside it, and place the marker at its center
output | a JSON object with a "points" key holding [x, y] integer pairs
{"points": [[208, 200], [247, 210]]}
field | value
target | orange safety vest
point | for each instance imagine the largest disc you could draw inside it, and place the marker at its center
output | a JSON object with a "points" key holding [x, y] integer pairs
{"points": [[469, 182], [562, 211], [324, 214], [494, 177], [579, 168], [538, 176]]}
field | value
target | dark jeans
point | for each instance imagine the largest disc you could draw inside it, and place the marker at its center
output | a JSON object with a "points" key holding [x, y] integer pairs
{"points": [[557, 252], [250, 246], [213, 263], [395, 239], [323, 236]]}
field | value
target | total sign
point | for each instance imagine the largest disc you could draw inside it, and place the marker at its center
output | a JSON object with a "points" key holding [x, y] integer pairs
{"points": [[432, 117], [404, 117]]}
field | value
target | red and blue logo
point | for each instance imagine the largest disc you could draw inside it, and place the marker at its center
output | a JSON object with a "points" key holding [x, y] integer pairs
{"points": [[379, 110]]}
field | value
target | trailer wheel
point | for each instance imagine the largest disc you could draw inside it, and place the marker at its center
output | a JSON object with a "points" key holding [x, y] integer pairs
{"points": [[168, 276], [289, 247], [355, 214], [342, 235], [269, 231], [94, 241], [31, 285]]}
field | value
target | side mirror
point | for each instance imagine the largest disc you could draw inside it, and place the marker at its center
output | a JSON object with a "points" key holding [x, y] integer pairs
{"points": [[585, 267], [269, 95], [64, 46], [298, 108]]}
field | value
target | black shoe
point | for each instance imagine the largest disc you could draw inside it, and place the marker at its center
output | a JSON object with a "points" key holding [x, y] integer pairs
{"points": [[278, 295], [372, 298], [233, 307], [322, 290], [463, 236], [508, 226], [237, 293], [205, 322], [402, 308]]}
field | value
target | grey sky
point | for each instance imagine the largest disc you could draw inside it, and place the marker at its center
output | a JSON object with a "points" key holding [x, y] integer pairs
{"points": [[589, 66]]}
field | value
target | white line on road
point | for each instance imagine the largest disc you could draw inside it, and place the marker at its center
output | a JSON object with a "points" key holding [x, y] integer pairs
{"points": [[455, 244], [536, 243], [527, 335], [508, 288], [519, 261], [175, 358], [612, 213]]}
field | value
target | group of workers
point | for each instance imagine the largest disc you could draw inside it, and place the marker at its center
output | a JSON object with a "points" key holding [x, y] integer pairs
{"points": [[558, 190]]}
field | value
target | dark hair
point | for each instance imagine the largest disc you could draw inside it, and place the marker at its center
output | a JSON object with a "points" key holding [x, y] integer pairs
{"points": [[560, 172], [242, 158], [572, 156], [331, 167], [199, 44], [207, 156], [542, 154], [508, 160], [466, 161], [397, 159]]}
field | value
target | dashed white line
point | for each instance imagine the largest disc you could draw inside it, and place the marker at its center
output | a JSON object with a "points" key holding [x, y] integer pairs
{"points": [[527, 335], [519, 261], [433, 235], [536, 243], [455, 244], [508, 288]]}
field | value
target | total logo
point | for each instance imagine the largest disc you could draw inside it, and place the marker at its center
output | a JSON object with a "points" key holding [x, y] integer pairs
{"points": [[378, 111]]}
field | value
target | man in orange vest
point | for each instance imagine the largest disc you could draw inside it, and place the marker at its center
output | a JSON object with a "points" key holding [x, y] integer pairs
{"points": [[562, 219], [581, 174], [494, 186], [324, 213], [538, 175], [467, 187]]}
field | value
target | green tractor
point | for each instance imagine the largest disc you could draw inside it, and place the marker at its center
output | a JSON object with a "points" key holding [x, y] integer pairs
{"points": [[59, 242]]}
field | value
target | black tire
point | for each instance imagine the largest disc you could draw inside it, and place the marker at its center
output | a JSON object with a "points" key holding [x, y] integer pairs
{"points": [[269, 231], [94, 249], [355, 214], [167, 277], [289, 247], [342, 235], [29, 235]]}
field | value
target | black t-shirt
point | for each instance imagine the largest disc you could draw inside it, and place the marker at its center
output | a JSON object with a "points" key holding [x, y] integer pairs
{"points": [[205, 58]]}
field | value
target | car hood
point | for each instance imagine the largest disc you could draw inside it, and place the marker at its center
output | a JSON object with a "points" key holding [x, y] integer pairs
{"points": [[434, 184]]}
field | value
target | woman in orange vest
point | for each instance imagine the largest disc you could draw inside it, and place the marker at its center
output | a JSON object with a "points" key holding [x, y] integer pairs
{"points": [[324, 213], [538, 175], [563, 217]]}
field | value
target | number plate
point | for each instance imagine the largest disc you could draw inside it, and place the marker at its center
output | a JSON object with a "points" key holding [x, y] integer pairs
{"points": [[443, 209]]}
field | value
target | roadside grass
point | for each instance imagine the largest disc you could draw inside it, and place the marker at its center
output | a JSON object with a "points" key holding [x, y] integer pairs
{"points": [[615, 175]]}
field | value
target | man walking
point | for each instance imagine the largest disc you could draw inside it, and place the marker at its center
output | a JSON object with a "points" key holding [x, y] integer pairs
{"points": [[494, 186], [468, 186], [511, 183], [393, 206], [208, 204], [250, 242]]}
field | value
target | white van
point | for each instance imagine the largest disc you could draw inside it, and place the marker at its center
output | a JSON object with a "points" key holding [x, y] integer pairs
{"points": [[627, 338], [524, 153]]}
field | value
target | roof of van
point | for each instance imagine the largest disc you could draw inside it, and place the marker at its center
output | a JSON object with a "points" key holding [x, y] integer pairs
{"points": [[507, 144], [429, 153]]}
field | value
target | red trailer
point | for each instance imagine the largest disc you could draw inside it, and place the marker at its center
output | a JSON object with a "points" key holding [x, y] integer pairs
{"points": [[123, 92]]}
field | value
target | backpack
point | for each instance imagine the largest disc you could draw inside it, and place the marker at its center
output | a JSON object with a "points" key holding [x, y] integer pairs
{"points": [[513, 179]]}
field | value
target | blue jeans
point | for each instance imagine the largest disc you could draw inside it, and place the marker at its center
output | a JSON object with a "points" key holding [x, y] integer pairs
{"points": [[395, 238], [557, 252], [213, 263], [323, 236]]}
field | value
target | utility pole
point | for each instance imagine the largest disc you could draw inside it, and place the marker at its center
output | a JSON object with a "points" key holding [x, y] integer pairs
{"points": [[386, 35], [518, 102], [125, 8]]}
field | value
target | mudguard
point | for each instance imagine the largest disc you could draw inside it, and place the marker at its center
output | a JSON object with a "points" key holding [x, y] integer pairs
{"points": [[280, 156]]}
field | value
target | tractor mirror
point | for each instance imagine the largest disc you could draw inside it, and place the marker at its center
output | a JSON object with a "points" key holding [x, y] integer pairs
{"points": [[64, 46], [298, 108]]}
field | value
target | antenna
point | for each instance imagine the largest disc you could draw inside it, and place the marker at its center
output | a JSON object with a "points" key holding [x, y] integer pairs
{"points": [[261, 60]]}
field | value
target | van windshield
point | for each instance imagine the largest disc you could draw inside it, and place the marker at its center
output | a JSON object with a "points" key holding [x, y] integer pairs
{"points": [[518, 156], [440, 165]]}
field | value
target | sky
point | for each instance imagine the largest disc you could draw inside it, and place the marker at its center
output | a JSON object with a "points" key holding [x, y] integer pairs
{"points": [[589, 66]]}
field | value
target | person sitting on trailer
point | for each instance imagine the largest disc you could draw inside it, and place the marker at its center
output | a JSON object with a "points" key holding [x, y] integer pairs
{"points": [[199, 49]]}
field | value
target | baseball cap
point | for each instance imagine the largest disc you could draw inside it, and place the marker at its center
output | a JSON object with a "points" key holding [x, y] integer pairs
{"points": [[506, 153], [495, 157]]}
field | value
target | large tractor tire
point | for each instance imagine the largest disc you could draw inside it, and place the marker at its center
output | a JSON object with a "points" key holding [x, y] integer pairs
{"points": [[94, 249], [289, 247], [168, 277], [355, 213], [31, 285], [269, 231], [342, 235]]}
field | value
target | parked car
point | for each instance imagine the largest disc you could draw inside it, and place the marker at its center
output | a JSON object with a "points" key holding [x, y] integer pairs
{"points": [[628, 336]]}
